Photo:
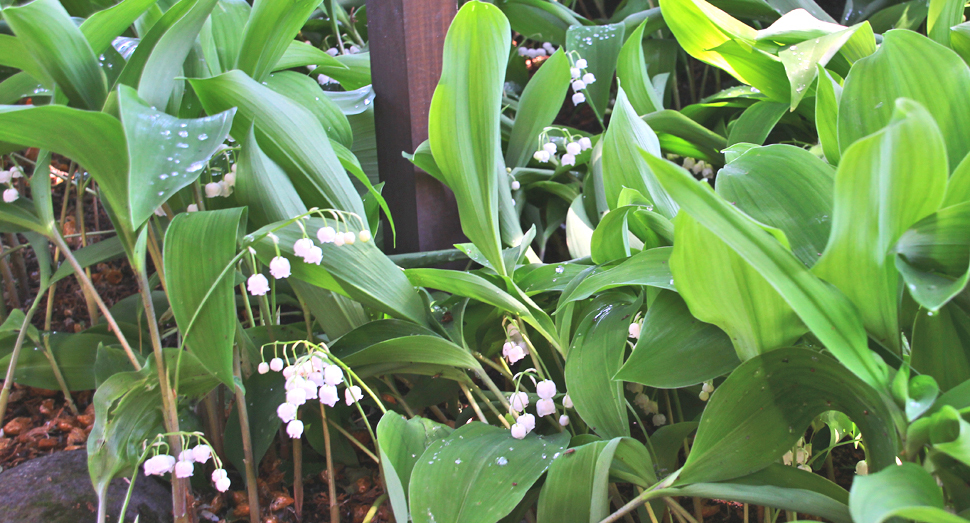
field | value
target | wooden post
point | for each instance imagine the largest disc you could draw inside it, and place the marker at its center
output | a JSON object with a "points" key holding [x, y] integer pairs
{"points": [[406, 42]]}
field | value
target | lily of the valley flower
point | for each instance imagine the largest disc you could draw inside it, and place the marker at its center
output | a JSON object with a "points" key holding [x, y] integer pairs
{"points": [[258, 285], [568, 159], [276, 364], [546, 389], [862, 468], [221, 480], [659, 419], [262, 368], [302, 247], [635, 331], [158, 465], [327, 234], [286, 412], [364, 236], [279, 267], [578, 98], [294, 429], [567, 402], [519, 401], [352, 395], [184, 469], [542, 156], [333, 375], [201, 453], [516, 185], [328, 395], [574, 148], [513, 352], [564, 420], [585, 143], [213, 189], [545, 407], [10, 195]]}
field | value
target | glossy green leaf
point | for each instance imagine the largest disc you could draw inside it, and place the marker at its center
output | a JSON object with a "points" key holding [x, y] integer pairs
{"points": [[670, 336], [899, 69], [622, 164], [600, 46], [831, 317], [756, 122], [59, 48], [632, 73], [353, 72], [432, 350], [201, 287], [803, 61], [402, 442], [723, 288], [74, 353], [222, 36], [942, 15], [650, 268], [958, 188], [934, 256], [479, 473], [575, 490], [539, 105], [828, 93], [271, 27], [263, 187], [288, 133], [303, 90], [104, 26], [611, 238], [539, 20], [594, 357], [766, 404], [463, 126], [299, 54], [264, 394], [885, 183], [104, 250], [673, 125], [784, 187], [950, 434], [907, 491]]}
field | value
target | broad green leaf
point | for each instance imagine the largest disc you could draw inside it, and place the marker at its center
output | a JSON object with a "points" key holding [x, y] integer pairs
{"points": [[299, 54], [756, 123], [594, 357], [165, 153], [353, 72], [950, 434], [828, 93], [958, 188], [104, 250], [463, 127], [223, 33], [622, 164], [264, 394], [648, 268], [200, 284], [540, 20], [539, 105], [21, 85], [303, 90], [263, 187], [401, 443], [104, 26], [781, 487], [288, 133], [74, 353], [600, 46], [803, 61], [632, 74], [899, 69], [359, 271], [885, 183], [934, 256], [784, 187], [14, 54], [479, 473], [942, 15], [723, 288], [765, 405], [59, 48], [831, 317], [941, 345], [271, 27], [412, 349], [575, 490], [611, 238], [669, 338], [907, 491], [681, 135]]}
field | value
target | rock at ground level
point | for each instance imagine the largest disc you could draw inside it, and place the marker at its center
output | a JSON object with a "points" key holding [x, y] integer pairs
{"points": [[57, 489]]}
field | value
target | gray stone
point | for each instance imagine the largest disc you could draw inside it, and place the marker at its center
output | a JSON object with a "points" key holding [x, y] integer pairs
{"points": [[57, 489]]}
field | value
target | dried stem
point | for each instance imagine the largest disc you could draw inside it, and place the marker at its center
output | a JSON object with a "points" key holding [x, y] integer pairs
{"points": [[243, 411]]}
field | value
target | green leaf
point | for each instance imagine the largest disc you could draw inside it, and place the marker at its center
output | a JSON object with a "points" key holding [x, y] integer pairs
{"points": [[302, 89], [784, 187], [622, 165], [104, 250], [59, 48], [201, 287], [411, 349], [950, 434], [540, 20], [648, 267], [300, 54], [896, 70], [594, 357], [723, 288], [576, 485], [401, 443], [941, 345], [264, 393], [271, 27], [539, 105], [600, 46], [74, 353], [934, 256], [830, 316], [669, 337], [263, 187], [165, 153], [463, 127], [632, 74], [804, 61], [765, 405], [479, 473], [907, 491], [958, 188], [104, 26], [885, 183], [756, 122], [828, 93], [288, 133], [222, 36], [353, 72], [942, 15]]}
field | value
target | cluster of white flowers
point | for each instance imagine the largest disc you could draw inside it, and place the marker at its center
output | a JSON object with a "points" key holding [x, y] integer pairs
{"points": [[309, 377], [573, 148], [323, 79], [519, 401], [184, 466], [279, 266], [581, 78], [223, 187], [647, 405], [699, 168], [547, 49], [10, 194], [514, 349], [706, 389], [799, 456]]}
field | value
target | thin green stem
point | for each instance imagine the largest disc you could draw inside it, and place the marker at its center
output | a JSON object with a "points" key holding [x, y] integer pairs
{"points": [[14, 357], [58, 375], [331, 480], [243, 411], [355, 441]]}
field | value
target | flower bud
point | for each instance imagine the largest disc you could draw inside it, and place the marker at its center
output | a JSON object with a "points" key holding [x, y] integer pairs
{"points": [[257, 284], [567, 402], [573, 148], [516, 185], [540, 52], [364, 236], [294, 429], [286, 412], [546, 389], [862, 468], [333, 51], [262, 368], [564, 420], [328, 395], [707, 387], [635, 331], [352, 395], [523, 51], [212, 189], [349, 238], [545, 407], [519, 401], [192, 207], [276, 364], [704, 395], [689, 163], [326, 234], [659, 419], [10, 195]]}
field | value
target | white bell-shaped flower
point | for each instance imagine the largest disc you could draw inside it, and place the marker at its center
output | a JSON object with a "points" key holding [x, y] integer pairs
{"points": [[212, 189], [540, 52], [578, 98], [160, 464], [689, 163], [528, 421], [513, 352], [221, 480], [192, 207], [326, 234], [349, 238], [258, 285], [10, 195], [5, 177], [286, 412], [564, 420], [523, 51], [659, 419], [516, 185], [294, 382], [288, 372], [545, 407], [575, 73], [279, 267], [519, 401], [541, 156], [262, 368], [364, 236], [518, 431], [567, 402], [314, 256], [328, 395], [296, 396], [634, 331], [568, 159], [585, 143], [578, 85], [276, 364], [704, 395], [862, 468], [589, 78], [339, 240], [17, 171], [707, 387], [581, 63], [352, 395], [302, 246], [548, 47], [201, 453], [184, 469], [788, 458], [550, 148], [546, 389], [317, 378], [294, 429], [573, 148], [333, 375]]}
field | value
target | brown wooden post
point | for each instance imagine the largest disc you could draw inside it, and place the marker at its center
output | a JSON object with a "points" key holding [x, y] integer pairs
{"points": [[406, 42]]}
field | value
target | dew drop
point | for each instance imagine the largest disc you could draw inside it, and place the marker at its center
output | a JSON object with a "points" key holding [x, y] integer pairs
{"points": [[203, 136], [184, 134], [182, 146], [501, 461]]}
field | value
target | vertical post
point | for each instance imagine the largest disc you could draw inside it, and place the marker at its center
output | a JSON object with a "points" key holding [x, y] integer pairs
{"points": [[406, 42]]}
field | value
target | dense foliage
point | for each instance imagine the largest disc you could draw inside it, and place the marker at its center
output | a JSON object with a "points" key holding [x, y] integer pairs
{"points": [[732, 312]]}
